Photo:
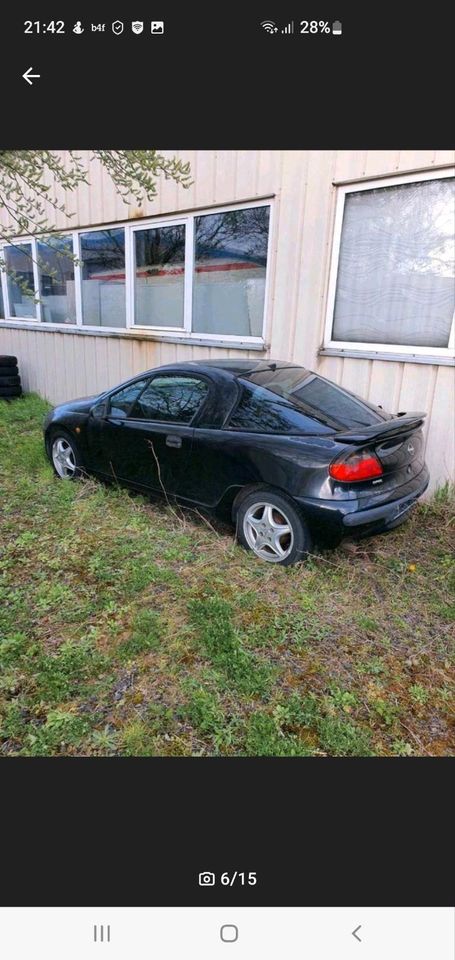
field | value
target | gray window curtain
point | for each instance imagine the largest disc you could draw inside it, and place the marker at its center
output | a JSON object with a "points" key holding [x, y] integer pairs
{"points": [[395, 281]]}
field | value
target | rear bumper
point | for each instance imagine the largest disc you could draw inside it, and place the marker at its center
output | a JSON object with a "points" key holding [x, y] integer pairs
{"points": [[346, 516], [388, 512]]}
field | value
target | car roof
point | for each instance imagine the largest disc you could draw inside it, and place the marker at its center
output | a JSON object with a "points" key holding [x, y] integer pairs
{"points": [[234, 367]]}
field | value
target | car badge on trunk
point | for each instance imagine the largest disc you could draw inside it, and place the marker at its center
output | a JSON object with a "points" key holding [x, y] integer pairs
{"points": [[410, 448]]}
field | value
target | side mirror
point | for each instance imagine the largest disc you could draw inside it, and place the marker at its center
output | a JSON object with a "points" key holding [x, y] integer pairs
{"points": [[100, 410]]}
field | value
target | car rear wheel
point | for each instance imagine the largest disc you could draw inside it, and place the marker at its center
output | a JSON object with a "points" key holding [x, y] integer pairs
{"points": [[270, 526], [65, 456]]}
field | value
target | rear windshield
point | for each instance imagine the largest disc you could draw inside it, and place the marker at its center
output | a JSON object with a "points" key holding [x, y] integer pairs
{"points": [[293, 400]]}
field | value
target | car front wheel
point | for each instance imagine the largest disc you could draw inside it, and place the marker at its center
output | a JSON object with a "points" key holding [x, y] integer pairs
{"points": [[269, 525], [65, 456]]}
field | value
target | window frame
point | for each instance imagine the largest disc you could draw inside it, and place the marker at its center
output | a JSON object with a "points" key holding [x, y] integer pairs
{"points": [[78, 279], [33, 241], [21, 242], [37, 279], [187, 277], [384, 351], [180, 334]]}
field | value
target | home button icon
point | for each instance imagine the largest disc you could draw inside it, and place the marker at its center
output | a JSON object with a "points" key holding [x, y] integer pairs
{"points": [[229, 933]]}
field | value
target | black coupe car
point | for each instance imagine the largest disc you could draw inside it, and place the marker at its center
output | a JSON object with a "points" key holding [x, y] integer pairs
{"points": [[289, 454]]}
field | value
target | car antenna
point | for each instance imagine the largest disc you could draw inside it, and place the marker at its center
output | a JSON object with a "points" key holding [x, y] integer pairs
{"points": [[267, 366]]}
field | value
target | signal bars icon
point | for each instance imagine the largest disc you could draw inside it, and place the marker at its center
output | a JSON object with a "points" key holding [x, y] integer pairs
{"points": [[289, 28]]}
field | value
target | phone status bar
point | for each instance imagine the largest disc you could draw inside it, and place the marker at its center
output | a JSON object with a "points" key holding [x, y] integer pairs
{"points": [[154, 28]]}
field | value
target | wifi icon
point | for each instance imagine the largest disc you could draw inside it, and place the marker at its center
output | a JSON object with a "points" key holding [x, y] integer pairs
{"points": [[269, 26]]}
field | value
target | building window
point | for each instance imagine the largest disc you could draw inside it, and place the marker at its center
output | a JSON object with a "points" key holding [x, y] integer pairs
{"points": [[103, 278], [56, 275], [395, 266], [159, 278], [18, 260], [229, 272], [201, 276]]}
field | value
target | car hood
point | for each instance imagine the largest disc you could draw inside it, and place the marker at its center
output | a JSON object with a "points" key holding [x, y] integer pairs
{"points": [[81, 405]]}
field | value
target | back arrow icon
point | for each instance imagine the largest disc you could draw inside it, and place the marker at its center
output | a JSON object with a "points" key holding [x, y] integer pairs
{"points": [[354, 933], [29, 76]]}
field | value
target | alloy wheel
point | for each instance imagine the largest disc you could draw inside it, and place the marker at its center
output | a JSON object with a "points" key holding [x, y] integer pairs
{"points": [[63, 458], [268, 532]]}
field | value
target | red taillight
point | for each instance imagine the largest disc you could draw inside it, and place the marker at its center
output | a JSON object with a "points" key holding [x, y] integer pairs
{"points": [[359, 466]]}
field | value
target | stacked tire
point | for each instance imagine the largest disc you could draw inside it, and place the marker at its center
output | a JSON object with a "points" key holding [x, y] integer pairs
{"points": [[10, 381]]}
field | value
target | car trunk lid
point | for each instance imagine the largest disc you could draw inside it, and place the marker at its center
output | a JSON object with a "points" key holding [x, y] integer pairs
{"points": [[397, 443]]}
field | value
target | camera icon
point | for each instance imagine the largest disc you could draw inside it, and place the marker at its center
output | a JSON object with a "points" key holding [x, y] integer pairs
{"points": [[206, 879]]}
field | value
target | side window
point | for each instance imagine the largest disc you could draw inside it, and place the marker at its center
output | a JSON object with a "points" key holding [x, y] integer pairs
{"points": [[173, 399], [121, 402]]}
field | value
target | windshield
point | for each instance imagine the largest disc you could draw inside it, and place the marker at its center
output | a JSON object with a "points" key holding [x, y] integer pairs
{"points": [[314, 397]]}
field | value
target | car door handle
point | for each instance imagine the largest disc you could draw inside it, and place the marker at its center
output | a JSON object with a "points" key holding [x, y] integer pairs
{"points": [[173, 441]]}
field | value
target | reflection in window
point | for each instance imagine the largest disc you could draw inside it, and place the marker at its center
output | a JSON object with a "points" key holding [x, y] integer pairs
{"points": [[230, 270], [333, 405], [260, 412], [103, 278], [18, 259], [159, 276], [174, 399], [312, 396], [121, 402], [395, 281], [56, 272]]}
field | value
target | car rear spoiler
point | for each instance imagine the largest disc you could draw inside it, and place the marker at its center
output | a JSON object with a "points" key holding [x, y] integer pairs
{"points": [[401, 423]]}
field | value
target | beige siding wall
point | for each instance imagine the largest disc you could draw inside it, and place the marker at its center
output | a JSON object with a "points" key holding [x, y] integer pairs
{"points": [[62, 365]]}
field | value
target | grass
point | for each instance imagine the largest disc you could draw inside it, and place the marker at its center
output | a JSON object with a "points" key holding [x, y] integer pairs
{"points": [[130, 628]]}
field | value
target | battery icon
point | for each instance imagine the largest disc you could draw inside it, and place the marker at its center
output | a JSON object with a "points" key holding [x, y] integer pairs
{"points": [[336, 27]]}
